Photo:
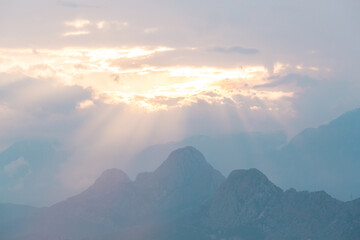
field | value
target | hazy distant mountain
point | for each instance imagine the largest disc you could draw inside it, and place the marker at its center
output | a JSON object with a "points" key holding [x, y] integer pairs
{"points": [[250, 206], [323, 158], [28, 171], [185, 181], [11, 213], [327, 157], [185, 198], [224, 152]]}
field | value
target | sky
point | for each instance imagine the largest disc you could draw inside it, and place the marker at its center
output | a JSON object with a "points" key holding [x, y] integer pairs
{"points": [[107, 78]]}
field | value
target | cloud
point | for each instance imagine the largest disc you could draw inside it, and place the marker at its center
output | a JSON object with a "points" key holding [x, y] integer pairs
{"points": [[38, 108], [85, 104], [279, 68], [78, 23], [77, 4], [194, 76], [90, 130], [112, 25], [151, 30], [255, 108], [68, 4], [76, 33], [160, 87], [235, 49], [85, 26], [14, 166], [302, 81], [101, 24]]}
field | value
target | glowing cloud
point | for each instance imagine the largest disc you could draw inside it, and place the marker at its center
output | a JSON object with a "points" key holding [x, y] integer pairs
{"points": [[280, 67], [115, 25], [101, 24], [78, 23], [151, 30], [105, 71], [85, 104], [76, 33]]}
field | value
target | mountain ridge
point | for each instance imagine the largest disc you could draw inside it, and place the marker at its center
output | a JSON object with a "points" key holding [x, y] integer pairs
{"points": [[186, 198], [322, 158]]}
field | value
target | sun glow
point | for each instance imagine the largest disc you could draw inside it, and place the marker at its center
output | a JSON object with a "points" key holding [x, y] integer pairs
{"points": [[113, 77]]}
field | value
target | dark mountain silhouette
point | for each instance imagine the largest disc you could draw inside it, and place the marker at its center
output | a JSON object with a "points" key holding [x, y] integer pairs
{"points": [[186, 198]]}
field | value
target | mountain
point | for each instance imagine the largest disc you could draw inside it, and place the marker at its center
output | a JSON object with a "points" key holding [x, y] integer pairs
{"points": [[243, 198], [224, 152], [12, 214], [327, 157], [28, 170], [184, 182], [322, 158], [186, 198], [250, 206]]}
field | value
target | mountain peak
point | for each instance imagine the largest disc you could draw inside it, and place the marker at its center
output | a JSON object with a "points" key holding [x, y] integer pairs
{"points": [[111, 176], [185, 177], [251, 180], [247, 173], [243, 196], [188, 153], [187, 159], [109, 181]]}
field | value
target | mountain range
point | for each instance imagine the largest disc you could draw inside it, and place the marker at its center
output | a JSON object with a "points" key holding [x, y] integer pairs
{"points": [[322, 158], [186, 198], [29, 168], [327, 157]]}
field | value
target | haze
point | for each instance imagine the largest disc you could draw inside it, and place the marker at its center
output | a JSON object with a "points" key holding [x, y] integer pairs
{"points": [[102, 80]]}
